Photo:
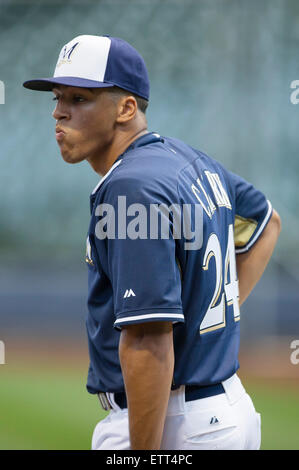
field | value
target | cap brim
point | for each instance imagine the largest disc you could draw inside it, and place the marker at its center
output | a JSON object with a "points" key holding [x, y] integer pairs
{"points": [[47, 84]]}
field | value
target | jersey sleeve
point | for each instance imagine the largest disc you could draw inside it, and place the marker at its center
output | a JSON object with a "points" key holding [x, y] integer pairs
{"points": [[252, 213], [142, 267]]}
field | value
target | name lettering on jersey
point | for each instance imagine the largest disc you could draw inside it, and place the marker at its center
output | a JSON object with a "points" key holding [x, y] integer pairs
{"points": [[210, 207], [222, 199], [220, 196]]}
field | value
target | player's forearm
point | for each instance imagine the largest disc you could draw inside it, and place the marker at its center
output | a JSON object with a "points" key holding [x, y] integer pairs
{"points": [[147, 362], [251, 265]]}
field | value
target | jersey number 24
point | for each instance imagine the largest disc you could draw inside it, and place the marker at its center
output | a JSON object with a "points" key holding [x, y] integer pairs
{"points": [[215, 315]]}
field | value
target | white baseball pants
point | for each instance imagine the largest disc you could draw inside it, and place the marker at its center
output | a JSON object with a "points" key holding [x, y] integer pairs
{"points": [[222, 422]]}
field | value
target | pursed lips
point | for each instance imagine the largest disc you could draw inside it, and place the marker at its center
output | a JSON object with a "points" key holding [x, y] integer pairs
{"points": [[59, 133]]}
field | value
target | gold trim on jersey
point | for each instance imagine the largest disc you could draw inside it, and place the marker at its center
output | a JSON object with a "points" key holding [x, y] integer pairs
{"points": [[244, 229], [88, 257], [219, 325]]}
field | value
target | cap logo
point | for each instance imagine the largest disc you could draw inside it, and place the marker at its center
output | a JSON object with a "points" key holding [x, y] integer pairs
{"points": [[66, 55]]}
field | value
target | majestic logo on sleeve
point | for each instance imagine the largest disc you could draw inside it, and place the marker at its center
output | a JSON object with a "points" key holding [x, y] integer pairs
{"points": [[65, 55], [129, 293]]}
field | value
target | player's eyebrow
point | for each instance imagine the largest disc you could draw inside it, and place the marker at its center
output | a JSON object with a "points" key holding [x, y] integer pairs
{"points": [[77, 90], [80, 90]]}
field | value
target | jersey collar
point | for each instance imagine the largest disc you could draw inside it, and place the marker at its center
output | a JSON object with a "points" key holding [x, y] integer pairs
{"points": [[145, 139], [115, 164]]}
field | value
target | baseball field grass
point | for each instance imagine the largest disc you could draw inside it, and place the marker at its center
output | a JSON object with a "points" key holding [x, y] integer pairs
{"points": [[48, 408]]}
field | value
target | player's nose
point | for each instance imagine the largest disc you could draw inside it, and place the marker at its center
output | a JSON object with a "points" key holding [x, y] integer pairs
{"points": [[60, 112]]}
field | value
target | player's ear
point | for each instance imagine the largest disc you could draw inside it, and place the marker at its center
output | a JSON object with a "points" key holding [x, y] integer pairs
{"points": [[126, 109]]}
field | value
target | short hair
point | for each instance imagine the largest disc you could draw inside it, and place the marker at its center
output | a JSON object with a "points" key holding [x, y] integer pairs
{"points": [[142, 103]]}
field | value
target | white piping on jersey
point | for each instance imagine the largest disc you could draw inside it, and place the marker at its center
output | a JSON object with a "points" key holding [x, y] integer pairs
{"points": [[150, 315], [249, 245], [105, 176]]}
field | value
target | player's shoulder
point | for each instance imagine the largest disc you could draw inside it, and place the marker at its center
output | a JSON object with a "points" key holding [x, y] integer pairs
{"points": [[158, 167], [149, 167], [164, 158], [200, 163]]}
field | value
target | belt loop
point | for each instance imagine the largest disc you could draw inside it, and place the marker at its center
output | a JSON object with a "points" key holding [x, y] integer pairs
{"points": [[112, 401], [176, 403], [104, 401], [233, 388]]}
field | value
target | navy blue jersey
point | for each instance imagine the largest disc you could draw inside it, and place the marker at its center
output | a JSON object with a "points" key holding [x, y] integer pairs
{"points": [[166, 222]]}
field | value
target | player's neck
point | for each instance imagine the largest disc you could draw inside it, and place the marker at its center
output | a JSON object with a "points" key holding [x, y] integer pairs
{"points": [[102, 163]]}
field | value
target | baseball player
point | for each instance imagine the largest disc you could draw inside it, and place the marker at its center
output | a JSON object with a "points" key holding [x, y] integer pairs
{"points": [[175, 245]]}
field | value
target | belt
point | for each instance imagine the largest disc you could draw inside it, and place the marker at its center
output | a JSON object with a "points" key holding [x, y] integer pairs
{"points": [[192, 392]]}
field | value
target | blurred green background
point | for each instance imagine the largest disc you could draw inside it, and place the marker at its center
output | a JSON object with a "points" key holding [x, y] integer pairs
{"points": [[49, 409], [221, 74]]}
